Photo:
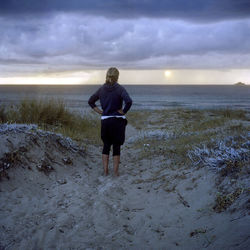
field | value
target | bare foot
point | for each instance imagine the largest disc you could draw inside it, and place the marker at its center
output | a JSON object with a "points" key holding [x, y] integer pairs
{"points": [[117, 174]]}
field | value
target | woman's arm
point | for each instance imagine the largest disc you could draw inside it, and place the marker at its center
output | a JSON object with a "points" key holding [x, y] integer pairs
{"points": [[92, 101], [128, 101]]}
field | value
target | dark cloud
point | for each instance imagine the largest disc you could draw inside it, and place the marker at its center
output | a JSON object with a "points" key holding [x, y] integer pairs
{"points": [[79, 41], [91, 34], [205, 10]]}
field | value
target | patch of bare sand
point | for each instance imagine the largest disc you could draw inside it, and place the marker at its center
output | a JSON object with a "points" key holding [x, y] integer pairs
{"points": [[72, 206]]}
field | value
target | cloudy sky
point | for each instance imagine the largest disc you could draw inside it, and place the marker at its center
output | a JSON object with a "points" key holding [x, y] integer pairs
{"points": [[163, 41]]}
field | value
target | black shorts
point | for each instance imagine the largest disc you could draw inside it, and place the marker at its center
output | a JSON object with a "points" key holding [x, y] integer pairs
{"points": [[113, 130]]}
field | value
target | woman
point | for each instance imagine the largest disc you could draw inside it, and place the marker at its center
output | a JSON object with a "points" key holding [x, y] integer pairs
{"points": [[113, 120]]}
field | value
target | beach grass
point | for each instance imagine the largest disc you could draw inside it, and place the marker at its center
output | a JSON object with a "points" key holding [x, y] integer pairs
{"points": [[185, 119], [188, 120], [181, 130], [52, 114], [190, 127]]}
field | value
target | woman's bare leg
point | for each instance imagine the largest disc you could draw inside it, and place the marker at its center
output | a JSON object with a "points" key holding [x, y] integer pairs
{"points": [[116, 161], [105, 162]]}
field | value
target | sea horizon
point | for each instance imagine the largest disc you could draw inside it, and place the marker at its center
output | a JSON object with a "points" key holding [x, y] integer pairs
{"points": [[154, 96]]}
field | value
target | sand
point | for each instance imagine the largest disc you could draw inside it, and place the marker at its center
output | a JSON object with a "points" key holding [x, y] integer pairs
{"points": [[73, 206]]}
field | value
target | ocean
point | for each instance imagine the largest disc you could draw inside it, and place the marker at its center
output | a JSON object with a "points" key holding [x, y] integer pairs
{"points": [[144, 96]]}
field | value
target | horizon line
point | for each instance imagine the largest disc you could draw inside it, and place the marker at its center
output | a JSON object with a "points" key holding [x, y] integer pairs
{"points": [[84, 84]]}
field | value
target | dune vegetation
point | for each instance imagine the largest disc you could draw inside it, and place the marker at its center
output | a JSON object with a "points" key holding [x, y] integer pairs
{"points": [[214, 138], [52, 115], [173, 133], [168, 132]]}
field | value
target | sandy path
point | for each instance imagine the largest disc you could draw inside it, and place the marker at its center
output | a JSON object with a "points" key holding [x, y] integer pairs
{"points": [[75, 207]]}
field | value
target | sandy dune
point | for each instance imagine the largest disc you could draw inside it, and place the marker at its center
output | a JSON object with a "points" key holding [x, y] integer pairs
{"points": [[53, 196]]}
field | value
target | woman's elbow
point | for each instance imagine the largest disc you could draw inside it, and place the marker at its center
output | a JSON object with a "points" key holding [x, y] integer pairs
{"points": [[130, 102], [91, 104]]}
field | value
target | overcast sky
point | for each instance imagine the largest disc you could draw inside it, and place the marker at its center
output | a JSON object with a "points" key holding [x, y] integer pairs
{"points": [[41, 37]]}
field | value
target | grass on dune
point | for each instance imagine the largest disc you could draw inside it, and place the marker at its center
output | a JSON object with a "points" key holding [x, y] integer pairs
{"points": [[185, 119], [174, 148], [237, 114], [191, 127], [52, 114]]}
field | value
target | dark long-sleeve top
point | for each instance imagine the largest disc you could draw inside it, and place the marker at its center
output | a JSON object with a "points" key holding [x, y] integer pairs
{"points": [[111, 99]]}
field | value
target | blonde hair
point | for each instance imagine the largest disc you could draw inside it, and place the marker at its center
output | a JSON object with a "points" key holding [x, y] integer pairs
{"points": [[112, 75]]}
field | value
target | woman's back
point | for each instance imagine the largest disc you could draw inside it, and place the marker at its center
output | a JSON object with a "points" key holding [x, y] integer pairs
{"points": [[111, 97]]}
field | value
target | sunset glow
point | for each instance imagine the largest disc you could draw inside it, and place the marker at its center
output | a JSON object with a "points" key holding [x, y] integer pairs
{"points": [[72, 78], [167, 73], [40, 80], [133, 77]]}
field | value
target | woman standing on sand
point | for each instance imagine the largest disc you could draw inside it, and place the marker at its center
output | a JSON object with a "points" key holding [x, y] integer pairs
{"points": [[113, 120]]}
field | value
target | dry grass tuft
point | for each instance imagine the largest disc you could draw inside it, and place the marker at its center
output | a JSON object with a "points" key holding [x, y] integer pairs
{"points": [[222, 202], [232, 168], [52, 115], [3, 116], [237, 114]]}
